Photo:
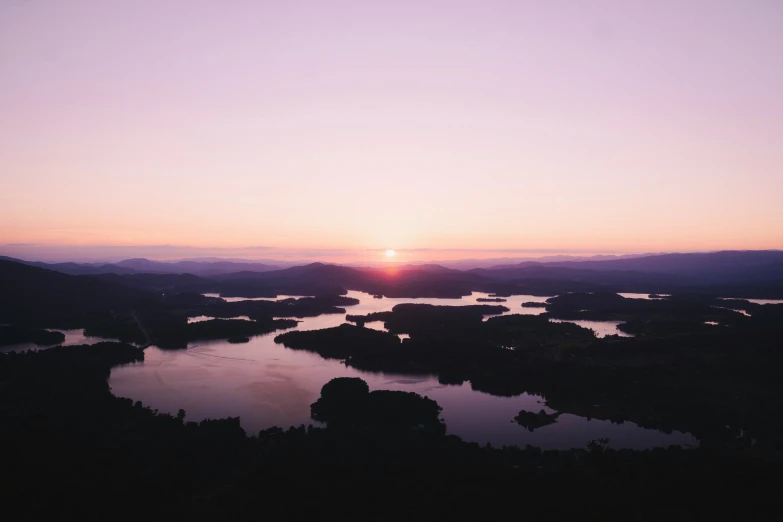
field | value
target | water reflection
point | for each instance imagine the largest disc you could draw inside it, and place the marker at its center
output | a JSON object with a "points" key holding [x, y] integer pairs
{"points": [[601, 328], [743, 312], [268, 385], [72, 337], [514, 303], [235, 299], [647, 297], [200, 318], [758, 301]]}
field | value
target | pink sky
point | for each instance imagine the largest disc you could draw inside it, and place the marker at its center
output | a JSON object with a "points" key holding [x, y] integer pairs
{"points": [[475, 127]]}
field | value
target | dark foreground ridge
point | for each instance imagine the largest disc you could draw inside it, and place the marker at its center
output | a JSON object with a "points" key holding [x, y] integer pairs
{"points": [[78, 451]]}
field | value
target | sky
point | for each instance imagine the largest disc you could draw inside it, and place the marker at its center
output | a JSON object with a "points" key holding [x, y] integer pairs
{"points": [[340, 129]]}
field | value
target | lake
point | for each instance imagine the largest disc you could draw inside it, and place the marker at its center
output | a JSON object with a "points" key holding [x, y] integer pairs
{"points": [[72, 337], [758, 301], [268, 385]]}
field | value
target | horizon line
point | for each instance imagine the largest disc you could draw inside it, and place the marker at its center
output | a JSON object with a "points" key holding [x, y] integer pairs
{"points": [[370, 262]]}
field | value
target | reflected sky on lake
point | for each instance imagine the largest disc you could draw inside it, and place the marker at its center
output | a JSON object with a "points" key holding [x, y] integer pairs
{"points": [[758, 301], [267, 385], [72, 337]]}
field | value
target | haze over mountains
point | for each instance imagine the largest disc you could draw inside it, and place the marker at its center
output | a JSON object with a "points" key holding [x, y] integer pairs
{"points": [[208, 266], [146, 266], [657, 262], [750, 274]]}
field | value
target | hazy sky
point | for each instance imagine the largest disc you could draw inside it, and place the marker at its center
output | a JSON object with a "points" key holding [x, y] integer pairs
{"points": [[355, 126]]}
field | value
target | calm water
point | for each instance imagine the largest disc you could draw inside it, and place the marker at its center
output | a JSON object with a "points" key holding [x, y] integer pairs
{"points": [[758, 301], [200, 318], [235, 299], [72, 337], [642, 296], [268, 385], [743, 312], [601, 328]]}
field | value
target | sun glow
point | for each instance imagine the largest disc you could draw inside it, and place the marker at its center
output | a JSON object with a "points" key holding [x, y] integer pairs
{"points": [[390, 253]]}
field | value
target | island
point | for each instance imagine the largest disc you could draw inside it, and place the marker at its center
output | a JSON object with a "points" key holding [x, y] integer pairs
{"points": [[533, 421]]}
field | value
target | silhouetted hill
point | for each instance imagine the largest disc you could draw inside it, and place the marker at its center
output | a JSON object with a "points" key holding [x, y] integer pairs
{"points": [[749, 274], [321, 278], [431, 268], [622, 278], [735, 279], [146, 266], [201, 268], [309, 272], [75, 268], [161, 282], [730, 266], [33, 295]]}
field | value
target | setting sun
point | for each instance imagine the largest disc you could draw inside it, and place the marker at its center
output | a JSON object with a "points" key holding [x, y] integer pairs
{"points": [[390, 253]]}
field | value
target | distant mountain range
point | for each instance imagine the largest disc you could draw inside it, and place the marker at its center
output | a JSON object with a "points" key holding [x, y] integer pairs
{"points": [[754, 274], [201, 268], [702, 268], [504, 262], [759, 273], [146, 266]]}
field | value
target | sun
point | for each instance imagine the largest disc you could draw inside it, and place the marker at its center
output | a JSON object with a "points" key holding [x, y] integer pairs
{"points": [[390, 253]]}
